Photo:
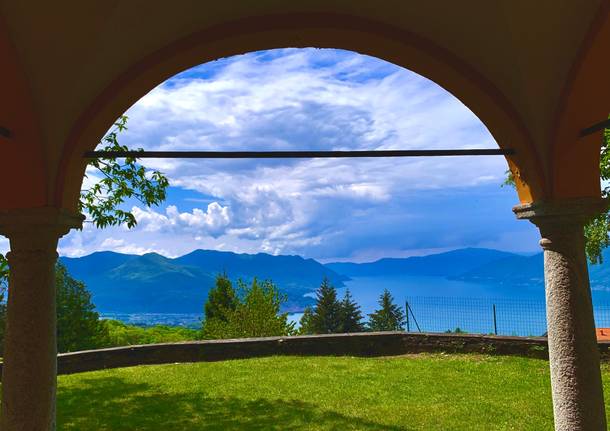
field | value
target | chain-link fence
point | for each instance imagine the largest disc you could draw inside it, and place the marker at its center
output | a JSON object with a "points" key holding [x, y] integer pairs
{"points": [[519, 317]]}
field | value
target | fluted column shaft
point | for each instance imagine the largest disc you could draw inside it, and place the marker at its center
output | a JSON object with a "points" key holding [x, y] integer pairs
{"points": [[30, 350], [578, 402]]}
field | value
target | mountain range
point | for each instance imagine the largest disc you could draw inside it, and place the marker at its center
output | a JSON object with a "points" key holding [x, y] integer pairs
{"points": [[152, 283], [451, 263]]}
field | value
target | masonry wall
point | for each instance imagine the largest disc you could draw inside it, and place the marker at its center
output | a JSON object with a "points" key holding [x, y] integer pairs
{"points": [[359, 344]]}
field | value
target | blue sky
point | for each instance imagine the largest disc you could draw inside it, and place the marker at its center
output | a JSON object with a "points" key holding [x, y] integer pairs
{"points": [[328, 209]]}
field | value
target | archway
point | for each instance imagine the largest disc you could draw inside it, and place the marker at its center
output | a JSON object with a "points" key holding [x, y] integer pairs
{"points": [[558, 178], [330, 31]]}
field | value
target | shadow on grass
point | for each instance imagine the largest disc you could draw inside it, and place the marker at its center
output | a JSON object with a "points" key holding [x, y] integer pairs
{"points": [[113, 404]]}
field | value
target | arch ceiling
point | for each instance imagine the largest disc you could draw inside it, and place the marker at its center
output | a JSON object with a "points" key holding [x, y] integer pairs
{"points": [[534, 72]]}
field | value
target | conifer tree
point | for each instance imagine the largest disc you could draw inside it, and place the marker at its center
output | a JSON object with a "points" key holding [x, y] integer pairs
{"points": [[306, 322], [221, 299], [351, 316], [389, 317], [326, 318]]}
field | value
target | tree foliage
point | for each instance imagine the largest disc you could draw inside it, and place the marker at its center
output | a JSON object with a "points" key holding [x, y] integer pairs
{"points": [[351, 315], [306, 326], [256, 314], [78, 324], [389, 317], [222, 299], [596, 231], [325, 318], [120, 182], [120, 334], [330, 315]]}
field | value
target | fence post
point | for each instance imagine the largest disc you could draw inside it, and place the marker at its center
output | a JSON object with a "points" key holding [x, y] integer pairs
{"points": [[495, 320], [407, 313]]}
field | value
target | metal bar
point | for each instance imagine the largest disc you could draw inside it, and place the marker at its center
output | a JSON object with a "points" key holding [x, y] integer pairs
{"points": [[495, 321], [414, 319], [293, 154], [407, 309], [595, 128]]}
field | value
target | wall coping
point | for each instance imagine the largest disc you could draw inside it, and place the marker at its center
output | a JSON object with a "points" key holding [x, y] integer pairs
{"points": [[366, 344]]}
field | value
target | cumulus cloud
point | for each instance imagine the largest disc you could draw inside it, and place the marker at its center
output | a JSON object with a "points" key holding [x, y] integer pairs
{"points": [[214, 221]]}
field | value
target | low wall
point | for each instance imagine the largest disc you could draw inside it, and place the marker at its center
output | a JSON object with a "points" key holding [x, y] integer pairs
{"points": [[359, 344]]}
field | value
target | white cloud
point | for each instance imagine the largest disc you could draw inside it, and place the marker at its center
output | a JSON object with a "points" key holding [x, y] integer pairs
{"points": [[213, 221], [120, 246], [4, 245]]}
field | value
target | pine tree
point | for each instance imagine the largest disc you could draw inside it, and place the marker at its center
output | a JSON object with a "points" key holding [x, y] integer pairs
{"points": [[351, 316], [306, 323], [326, 318], [389, 317], [221, 299]]}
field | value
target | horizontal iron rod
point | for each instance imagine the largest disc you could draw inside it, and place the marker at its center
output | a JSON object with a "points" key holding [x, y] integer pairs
{"points": [[292, 154], [595, 128]]}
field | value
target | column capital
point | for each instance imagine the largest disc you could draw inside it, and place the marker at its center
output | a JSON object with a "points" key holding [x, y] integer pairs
{"points": [[578, 210], [38, 225]]}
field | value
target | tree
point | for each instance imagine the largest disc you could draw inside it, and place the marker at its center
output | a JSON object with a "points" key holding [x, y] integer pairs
{"points": [[222, 299], [256, 314], [597, 229], [78, 325], [326, 316], [389, 317], [351, 316], [306, 323]]}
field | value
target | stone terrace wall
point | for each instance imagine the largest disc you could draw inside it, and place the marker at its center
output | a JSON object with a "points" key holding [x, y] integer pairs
{"points": [[359, 344]]}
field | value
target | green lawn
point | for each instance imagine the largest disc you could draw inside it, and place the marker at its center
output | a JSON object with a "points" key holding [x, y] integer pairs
{"points": [[416, 392]]}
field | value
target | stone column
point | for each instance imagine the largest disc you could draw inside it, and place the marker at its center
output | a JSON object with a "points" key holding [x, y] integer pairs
{"points": [[30, 349], [578, 402]]}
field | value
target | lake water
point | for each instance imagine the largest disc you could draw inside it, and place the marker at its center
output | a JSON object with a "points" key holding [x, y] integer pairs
{"points": [[436, 304]]}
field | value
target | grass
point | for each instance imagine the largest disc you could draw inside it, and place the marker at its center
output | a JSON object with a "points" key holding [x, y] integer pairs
{"points": [[415, 392]]}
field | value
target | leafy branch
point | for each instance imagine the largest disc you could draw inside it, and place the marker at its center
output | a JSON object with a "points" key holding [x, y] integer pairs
{"points": [[120, 181]]}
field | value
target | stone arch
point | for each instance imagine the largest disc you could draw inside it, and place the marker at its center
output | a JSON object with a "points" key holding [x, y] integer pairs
{"points": [[323, 30]]}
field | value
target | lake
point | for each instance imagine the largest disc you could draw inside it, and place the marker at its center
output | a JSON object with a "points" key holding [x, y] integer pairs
{"points": [[436, 304]]}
